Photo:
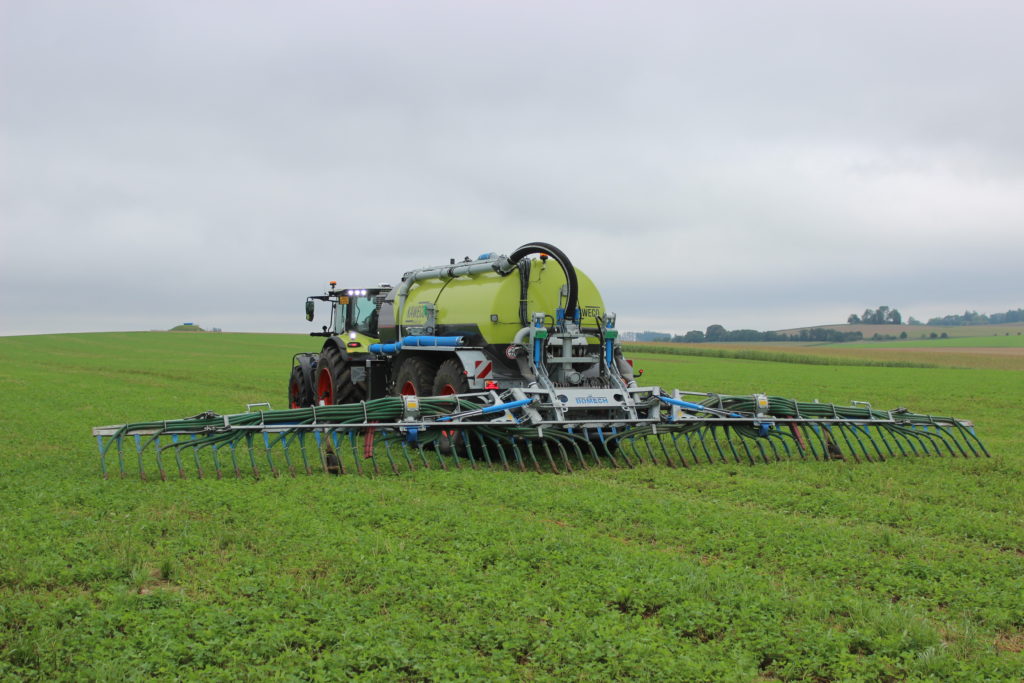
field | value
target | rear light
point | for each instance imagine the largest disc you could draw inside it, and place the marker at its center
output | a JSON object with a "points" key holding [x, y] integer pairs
{"points": [[490, 384], [353, 345]]}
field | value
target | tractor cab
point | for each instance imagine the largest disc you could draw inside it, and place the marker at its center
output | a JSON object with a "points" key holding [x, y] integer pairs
{"points": [[353, 312]]}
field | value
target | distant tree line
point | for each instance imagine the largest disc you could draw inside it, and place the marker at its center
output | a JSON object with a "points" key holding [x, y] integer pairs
{"points": [[717, 333], [975, 318], [883, 315]]}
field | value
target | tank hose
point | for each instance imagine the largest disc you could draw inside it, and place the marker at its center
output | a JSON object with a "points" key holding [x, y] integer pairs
{"points": [[524, 286], [559, 256]]}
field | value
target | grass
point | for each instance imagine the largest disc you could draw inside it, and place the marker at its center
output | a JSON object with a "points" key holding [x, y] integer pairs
{"points": [[796, 571]]}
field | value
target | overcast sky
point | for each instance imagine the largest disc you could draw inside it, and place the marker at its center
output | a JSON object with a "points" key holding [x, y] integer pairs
{"points": [[752, 164]]}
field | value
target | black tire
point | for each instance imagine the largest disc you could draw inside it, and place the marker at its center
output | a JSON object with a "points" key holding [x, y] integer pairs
{"points": [[300, 383], [450, 379], [415, 375], [334, 380]]}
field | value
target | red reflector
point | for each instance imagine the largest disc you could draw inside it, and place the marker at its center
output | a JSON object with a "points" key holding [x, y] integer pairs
{"points": [[630, 361], [490, 384], [353, 345]]}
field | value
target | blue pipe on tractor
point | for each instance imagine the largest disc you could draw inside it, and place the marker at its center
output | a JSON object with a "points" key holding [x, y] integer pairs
{"points": [[696, 407], [498, 407], [418, 341]]}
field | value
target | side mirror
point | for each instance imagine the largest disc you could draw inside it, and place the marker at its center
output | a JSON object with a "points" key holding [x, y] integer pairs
{"points": [[309, 310]]}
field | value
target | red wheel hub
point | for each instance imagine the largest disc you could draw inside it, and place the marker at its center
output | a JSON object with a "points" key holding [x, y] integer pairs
{"points": [[325, 387]]}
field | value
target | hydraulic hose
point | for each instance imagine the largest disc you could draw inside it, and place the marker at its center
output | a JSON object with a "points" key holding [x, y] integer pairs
{"points": [[561, 259]]}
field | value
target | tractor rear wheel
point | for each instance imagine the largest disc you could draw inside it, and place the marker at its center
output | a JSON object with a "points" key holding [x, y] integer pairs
{"points": [[415, 377], [300, 383], [334, 380], [450, 379]]}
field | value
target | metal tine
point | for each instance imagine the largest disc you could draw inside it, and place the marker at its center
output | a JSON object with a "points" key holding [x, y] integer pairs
{"points": [[234, 460], [318, 439], [572, 440], [824, 440], [354, 450], [796, 433], [699, 436], [947, 438], [370, 449], [780, 437], [519, 455], [103, 455], [120, 455], [501, 454], [760, 448], [336, 451], [605, 448], [423, 456], [270, 459], [591, 448], [536, 463], [464, 438], [647, 446], [547, 452], [252, 455], [743, 442], [565, 455], [871, 436], [160, 458], [302, 450], [853, 429], [843, 429], [440, 457], [682, 456], [553, 441], [387, 452], [904, 445], [713, 434], [469, 435], [287, 456], [728, 442], [969, 437], [138, 451], [617, 444], [924, 438], [561, 451], [216, 460], [832, 448], [195, 456], [405, 452], [660, 438]]}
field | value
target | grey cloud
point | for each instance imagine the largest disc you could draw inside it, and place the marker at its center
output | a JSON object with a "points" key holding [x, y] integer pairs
{"points": [[751, 164]]}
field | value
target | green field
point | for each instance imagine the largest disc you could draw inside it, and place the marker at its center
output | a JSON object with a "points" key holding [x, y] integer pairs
{"points": [[995, 341], [912, 569]]}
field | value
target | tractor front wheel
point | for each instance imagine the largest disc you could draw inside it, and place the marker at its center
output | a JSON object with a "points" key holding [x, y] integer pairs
{"points": [[334, 380]]}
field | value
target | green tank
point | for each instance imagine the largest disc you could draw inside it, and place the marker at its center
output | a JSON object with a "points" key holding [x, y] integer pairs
{"points": [[485, 308]]}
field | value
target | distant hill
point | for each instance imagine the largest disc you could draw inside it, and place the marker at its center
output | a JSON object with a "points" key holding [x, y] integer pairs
{"points": [[187, 327]]}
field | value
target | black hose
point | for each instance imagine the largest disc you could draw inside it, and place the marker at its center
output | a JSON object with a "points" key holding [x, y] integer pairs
{"points": [[559, 256]]}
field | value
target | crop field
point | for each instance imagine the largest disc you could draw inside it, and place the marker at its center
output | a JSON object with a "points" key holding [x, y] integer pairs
{"points": [[990, 352], [911, 569]]}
